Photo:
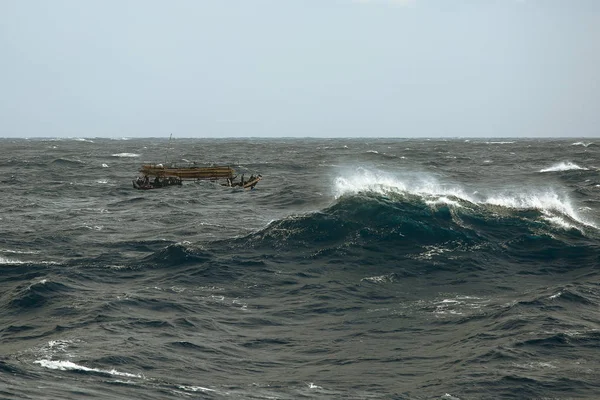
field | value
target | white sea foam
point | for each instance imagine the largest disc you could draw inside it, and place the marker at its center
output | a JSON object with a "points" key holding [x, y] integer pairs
{"points": [[196, 389], [104, 165], [555, 296], [563, 166], [431, 252], [362, 180], [59, 344], [556, 208], [126, 155], [536, 365], [379, 279], [4, 260], [71, 366], [544, 201], [460, 305], [581, 144], [561, 222], [448, 396], [9, 251]]}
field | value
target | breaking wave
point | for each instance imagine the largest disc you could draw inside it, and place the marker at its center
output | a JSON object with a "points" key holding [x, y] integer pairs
{"points": [[71, 366], [582, 144], [551, 204], [125, 155], [563, 166]]}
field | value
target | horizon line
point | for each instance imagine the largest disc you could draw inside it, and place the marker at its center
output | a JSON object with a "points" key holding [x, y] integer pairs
{"points": [[291, 137]]}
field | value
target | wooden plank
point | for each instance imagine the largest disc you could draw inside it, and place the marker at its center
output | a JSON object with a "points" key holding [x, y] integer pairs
{"points": [[189, 172]]}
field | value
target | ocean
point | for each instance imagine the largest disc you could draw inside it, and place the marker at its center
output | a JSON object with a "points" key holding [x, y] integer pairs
{"points": [[356, 269]]}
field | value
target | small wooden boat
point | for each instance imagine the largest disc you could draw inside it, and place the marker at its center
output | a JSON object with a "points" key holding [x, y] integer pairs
{"points": [[173, 174], [188, 172]]}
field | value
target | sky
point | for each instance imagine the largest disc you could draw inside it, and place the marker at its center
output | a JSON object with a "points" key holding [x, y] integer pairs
{"points": [[300, 68]]}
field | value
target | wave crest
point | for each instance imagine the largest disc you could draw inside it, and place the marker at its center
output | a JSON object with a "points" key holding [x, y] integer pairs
{"points": [[563, 166], [553, 206], [125, 155], [174, 255]]}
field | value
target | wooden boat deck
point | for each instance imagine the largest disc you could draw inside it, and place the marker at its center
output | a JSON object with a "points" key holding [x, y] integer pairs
{"points": [[188, 172]]}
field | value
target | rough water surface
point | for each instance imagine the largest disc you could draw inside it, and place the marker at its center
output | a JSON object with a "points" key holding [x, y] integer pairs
{"points": [[356, 269]]}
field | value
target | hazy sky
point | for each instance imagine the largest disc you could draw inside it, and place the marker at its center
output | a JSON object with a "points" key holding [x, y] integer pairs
{"points": [[322, 68]]}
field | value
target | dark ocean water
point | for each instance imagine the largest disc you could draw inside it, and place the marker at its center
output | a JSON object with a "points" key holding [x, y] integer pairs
{"points": [[357, 269]]}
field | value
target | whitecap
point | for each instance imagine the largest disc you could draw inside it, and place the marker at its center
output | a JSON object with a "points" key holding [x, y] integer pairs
{"points": [[431, 252], [448, 396], [557, 208], [18, 251], [71, 366], [367, 180], [459, 305], [59, 343], [535, 365], [563, 166], [560, 222], [581, 144], [549, 203], [450, 301], [125, 155], [379, 279], [196, 389], [104, 165], [4, 260]]}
